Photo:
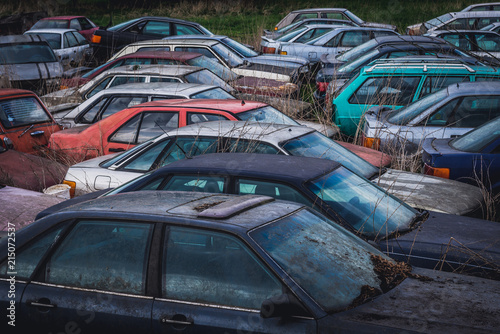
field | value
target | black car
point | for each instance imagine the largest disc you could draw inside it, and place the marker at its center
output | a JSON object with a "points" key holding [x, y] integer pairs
{"points": [[107, 41], [424, 239], [166, 262]]}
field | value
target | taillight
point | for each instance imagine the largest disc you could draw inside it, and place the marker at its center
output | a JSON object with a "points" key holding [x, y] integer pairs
{"points": [[275, 28], [282, 52], [266, 49], [439, 172], [321, 86], [72, 188], [96, 39], [371, 142]]}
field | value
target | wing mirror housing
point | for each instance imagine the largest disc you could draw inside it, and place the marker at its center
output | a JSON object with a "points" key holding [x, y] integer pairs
{"points": [[285, 305]]}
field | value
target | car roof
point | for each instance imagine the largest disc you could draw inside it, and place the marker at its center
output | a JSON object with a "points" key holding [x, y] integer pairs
{"points": [[477, 87], [66, 17], [153, 69], [268, 166], [233, 105], [12, 92], [463, 31], [408, 38], [223, 211], [198, 39], [267, 132], [394, 67], [488, 13], [161, 18], [152, 88], [306, 10], [51, 30], [161, 54], [22, 39]]}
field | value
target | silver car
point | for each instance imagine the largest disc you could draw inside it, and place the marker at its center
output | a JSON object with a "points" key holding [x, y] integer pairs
{"points": [[447, 113], [418, 190], [334, 42], [470, 20], [69, 45], [478, 42]]}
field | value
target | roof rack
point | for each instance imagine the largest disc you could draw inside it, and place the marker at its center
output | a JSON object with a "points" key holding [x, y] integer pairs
{"points": [[425, 64]]}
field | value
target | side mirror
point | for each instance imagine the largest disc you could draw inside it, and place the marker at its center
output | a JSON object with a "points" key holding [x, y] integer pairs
{"points": [[285, 305]]}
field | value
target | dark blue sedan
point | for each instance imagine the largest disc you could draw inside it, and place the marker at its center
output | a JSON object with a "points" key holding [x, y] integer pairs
{"points": [[169, 262], [472, 158]]}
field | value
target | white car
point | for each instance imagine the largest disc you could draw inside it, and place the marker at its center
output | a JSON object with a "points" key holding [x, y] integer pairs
{"points": [[418, 190], [470, 20], [69, 45]]}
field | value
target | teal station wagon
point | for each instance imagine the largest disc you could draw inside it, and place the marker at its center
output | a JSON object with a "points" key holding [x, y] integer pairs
{"points": [[395, 84]]}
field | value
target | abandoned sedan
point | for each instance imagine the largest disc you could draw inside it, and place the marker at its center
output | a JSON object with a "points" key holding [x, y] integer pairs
{"points": [[222, 263]]}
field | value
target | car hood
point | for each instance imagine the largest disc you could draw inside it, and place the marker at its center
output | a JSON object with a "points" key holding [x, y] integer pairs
{"points": [[450, 242], [431, 193], [287, 61], [264, 86], [268, 68], [438, 302], [32, 71], [69, 95], [438, 146]]}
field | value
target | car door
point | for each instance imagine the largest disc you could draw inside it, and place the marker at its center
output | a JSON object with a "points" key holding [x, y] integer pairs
{"points": [[71, 48], [92, 280], [212, 282]]}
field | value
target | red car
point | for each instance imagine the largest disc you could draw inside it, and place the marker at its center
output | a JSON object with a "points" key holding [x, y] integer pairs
{"points": [[80, 23], [25, 123], [247, 85]]}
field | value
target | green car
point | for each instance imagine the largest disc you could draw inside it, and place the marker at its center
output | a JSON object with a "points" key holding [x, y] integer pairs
{"points": [[395, 84]]}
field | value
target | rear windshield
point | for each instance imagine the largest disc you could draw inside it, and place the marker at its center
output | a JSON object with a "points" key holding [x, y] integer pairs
{"points": [[26, 53], [21, 112]]}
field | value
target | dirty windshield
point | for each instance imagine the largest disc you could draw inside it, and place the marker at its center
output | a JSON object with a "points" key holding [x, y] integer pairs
{"points": [[266, 114], [367, 208], [315, 145], [26, 53], [329, 263]]}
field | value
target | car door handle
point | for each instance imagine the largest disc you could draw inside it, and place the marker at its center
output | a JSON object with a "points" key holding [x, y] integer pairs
{"points": [[37, 133], [43, 302], [177, 319], [116, 149]]}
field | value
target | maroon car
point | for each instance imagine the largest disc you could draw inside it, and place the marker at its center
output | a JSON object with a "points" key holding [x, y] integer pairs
{"points": [[243, 84], [80, 23]]}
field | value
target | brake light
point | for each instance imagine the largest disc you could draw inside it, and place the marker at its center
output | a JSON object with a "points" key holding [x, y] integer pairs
{"points": [[96, 39], [439, 172], [373, 143], [72, 188], [321, 86], [266, 49]]}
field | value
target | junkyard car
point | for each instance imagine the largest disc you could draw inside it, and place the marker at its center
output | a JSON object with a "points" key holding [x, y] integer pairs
{"points": [[25, 123], [137, 74], [81, 23], [334, 42], [299, 24], [69, 45], [330, 13], [28, 62], [107, 41], [212, 137], [394, 84], [479, 7], [135, 125], [472, 158], [447, 113], [471, 20], [211, 262], [495, 27], [111, 100], [349, 200], [221, 53], [478, 42]]}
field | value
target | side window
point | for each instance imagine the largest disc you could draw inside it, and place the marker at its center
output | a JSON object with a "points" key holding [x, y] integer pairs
{"points": [[200, 117], [127, 132], [203, 51], [102, 85], [164, 79], [213, 268], [486, 42], [465, 24], [182, 29], [248, 146], [109, 256], [156, 123], [121, 80], [89, 116], [200, 183], [434, 83], [85, 25], [80, 39], [145, 161], [65, 41], [157, 28], [276, 190], [311, 34], [378, 33], [337, 16], [483, 22], [121, 102], [334, 42], [495, 78], [386, 91], [190, 147], [443, 116], [305, 16], [72, 42], [136, 61], [354, 38], [136, 28], [74, 24], [28, 257], [474, 111]]}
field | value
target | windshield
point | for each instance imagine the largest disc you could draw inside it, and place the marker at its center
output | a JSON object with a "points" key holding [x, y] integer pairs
{"points": [[266, 114], [359, 62], [220, 70], [208, 78], [21, 112], [228, 55], [291, 34], [357, 51], [239, 48], [214, 93], [404, 115], [26, 53], [354, 18], [475, 140], [329, 263], [438, 20], [315, 145], [367, 208], [54, 40]]}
